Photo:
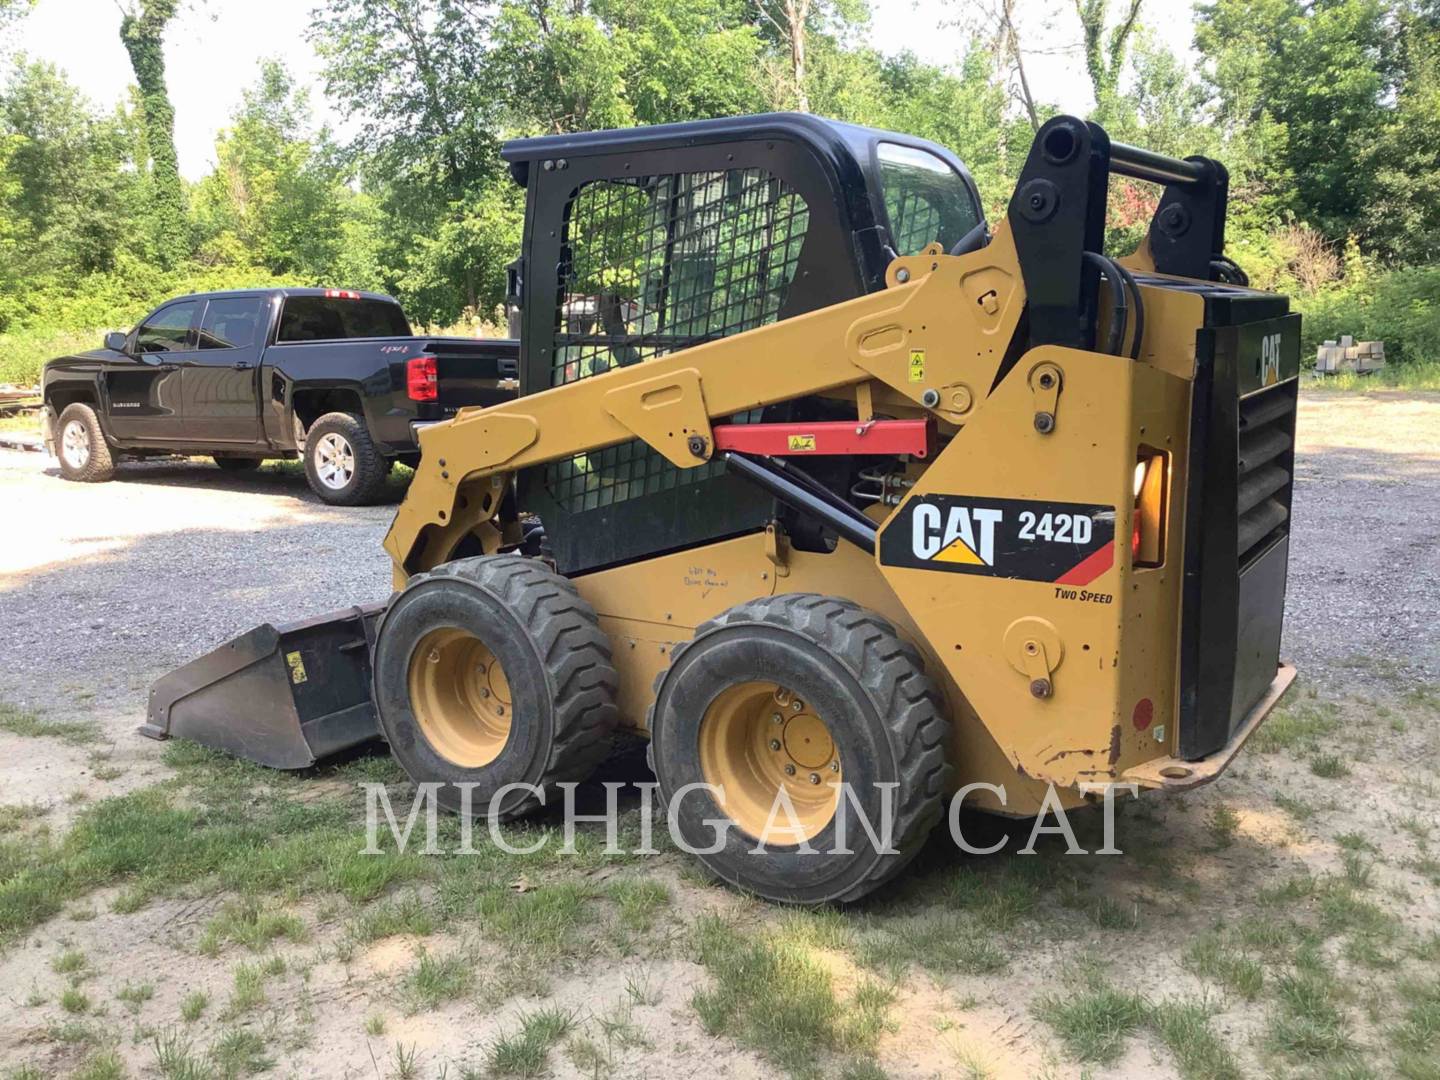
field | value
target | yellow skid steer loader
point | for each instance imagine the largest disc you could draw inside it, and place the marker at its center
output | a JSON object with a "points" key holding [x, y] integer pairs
{"points": [[844, 499]]}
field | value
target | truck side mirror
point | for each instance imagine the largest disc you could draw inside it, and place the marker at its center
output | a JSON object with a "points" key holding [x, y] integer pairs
{"points": [[115, 341]]}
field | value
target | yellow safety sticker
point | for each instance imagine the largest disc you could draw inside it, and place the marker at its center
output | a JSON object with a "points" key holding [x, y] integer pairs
{"points": [[917, 365], [801, 442], [297, 667]]}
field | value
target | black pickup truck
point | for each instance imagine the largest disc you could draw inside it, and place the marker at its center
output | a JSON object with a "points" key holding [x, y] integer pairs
{"points": [[330, 375]]}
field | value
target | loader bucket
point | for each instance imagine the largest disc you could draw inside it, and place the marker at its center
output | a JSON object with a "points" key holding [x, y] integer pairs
{"points": [[282, 696]]}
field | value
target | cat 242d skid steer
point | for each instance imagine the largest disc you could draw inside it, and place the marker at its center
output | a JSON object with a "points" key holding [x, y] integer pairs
{"points": [[832, 491]]}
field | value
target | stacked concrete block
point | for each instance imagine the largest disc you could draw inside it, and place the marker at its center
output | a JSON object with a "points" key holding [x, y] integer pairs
{"points": [[1347, 354]]}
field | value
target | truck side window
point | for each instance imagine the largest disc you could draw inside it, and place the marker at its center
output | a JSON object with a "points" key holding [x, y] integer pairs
{"points": [[168, 330], [231, 322]]}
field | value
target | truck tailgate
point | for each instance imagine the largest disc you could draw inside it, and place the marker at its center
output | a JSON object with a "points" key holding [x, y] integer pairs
{"points": [[473, 371]]}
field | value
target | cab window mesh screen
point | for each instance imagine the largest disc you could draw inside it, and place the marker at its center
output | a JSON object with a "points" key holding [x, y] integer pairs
{"points": [[652, 265]]}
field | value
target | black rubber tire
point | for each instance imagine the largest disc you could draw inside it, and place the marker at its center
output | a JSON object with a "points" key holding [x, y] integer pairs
{"points": [[371, 467], [237, 464], [557, 660], [883, 711], [100, 465]]}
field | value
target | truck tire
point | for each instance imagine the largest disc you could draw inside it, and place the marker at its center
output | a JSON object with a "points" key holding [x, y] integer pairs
{"points": [[816, 697], [81, 447], [236, 464], [493, 671], [341, 462]]}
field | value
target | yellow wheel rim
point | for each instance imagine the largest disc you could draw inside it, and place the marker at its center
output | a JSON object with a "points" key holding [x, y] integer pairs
{"points": [[460, 697], [758, 739]]}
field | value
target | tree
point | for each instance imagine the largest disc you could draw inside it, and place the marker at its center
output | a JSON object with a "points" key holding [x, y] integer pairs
{"points": [[276, 196], [1105, 55], [1300, 90], [142, 31]]}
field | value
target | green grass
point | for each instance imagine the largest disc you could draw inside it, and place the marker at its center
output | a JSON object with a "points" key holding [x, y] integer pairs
{"points": [[1211, 958], [437, 979], [1222, 823], [18, 721], [193, 1005], [69, 962], [1329, 767], [100, 1065], [248, 992], [639, 901], [251, 923], [1094, 1021], [1296, 724], [1307, 1022], [134, 995], [1184, 1028], [402, 915], [375, 1024], [74, 1001], [239, 1052], [1415, 1040], [771, 994], [1411, 375], [526, 1052]]}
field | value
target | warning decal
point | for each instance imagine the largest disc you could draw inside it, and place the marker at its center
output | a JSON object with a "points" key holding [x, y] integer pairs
{"points": [[1064, 543]]}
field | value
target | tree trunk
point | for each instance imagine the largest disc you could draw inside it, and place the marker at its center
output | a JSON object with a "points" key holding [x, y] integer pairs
{"points": [[796, 12], [143, 37]]}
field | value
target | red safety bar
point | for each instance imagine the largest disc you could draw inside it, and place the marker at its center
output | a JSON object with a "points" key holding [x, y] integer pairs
{"points": [[884, 437]]}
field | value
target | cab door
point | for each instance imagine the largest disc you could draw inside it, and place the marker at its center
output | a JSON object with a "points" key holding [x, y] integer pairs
{"points": [[143, 393], [222, 403]]}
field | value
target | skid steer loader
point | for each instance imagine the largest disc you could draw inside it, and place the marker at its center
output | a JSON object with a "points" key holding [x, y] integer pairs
{"points": [[835, 493]]}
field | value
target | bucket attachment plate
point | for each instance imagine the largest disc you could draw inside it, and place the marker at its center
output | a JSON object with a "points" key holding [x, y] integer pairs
{"points": [[283, 697]]}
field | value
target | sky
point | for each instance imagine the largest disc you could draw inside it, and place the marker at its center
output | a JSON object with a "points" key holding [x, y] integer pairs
{"points": [[213, 52]]}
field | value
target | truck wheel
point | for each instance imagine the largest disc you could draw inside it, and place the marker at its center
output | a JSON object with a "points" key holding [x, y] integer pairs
{"points": [[81, 447], [493, 671], [798, 711], [237, 464], [341, 461]]}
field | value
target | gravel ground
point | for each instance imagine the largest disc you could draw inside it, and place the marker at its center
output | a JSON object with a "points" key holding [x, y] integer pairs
{"points": [[104, 587]]}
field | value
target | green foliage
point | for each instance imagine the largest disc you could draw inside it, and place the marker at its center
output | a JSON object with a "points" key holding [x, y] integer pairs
{"points": [[1326, 114]]}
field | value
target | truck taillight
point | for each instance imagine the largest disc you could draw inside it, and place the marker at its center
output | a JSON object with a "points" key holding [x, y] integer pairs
{"points": [[422, 378]]}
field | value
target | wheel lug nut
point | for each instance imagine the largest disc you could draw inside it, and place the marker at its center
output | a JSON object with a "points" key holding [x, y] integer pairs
{"points": [[774, 744], [499, 710], [834, 766], [789, 770], [814, 778], [776, 718], [484, 692], [797, 705]]}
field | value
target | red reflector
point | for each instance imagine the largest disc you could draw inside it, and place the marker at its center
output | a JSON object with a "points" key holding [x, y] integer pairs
{"points": [[422, 378], [1143, 714], [341, 294]]}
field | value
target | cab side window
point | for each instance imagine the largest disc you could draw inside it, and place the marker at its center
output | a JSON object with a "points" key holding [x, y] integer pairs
{"points": [[231, 322], [168, 330]]}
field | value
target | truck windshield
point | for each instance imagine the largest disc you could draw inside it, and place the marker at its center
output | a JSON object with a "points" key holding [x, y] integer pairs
{"points": [[325, 318], [925, 199]]}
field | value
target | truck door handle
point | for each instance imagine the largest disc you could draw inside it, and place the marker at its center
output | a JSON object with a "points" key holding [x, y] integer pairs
{"points": [[241, 365]]}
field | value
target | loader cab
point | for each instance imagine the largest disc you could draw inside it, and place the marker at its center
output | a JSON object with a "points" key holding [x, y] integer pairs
{"points": [[642, 242]]}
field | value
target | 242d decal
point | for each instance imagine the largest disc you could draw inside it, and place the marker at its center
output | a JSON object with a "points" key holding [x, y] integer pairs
{"points": [[1069, 544]]}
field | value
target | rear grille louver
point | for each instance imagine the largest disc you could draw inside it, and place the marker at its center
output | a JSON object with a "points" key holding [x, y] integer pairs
{"points": [[1266, 470]]}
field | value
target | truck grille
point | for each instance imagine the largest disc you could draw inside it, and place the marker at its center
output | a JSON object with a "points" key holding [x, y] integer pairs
{"points": [[1266, 470]]}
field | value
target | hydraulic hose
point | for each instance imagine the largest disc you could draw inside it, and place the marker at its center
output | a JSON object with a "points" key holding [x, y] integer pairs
{"points": [[1129, 279], [1119, 316]]}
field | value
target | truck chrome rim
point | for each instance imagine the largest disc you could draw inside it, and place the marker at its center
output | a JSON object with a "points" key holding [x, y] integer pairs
{"points": [[758, 740], [460, 697], [75, 444], [334, 460]]}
